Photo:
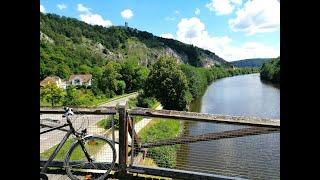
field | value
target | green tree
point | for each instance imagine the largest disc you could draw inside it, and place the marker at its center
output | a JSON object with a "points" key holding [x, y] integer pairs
{"points": [[133, 75], [110, 82], [71, 96], [52, 93], [145, 101], [270, 70], [167, 83]]}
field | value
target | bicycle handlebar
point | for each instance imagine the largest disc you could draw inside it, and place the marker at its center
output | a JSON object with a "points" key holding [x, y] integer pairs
{"points": [[67, 112]]}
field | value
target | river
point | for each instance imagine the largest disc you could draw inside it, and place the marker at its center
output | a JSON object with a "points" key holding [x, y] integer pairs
{"points": [[252, 157]]}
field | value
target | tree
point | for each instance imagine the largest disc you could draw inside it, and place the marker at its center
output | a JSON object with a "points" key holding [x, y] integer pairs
{"points": [[270, 70], [52, 93], [110, 82], [71, 96], [167, 83], [133, 75]]}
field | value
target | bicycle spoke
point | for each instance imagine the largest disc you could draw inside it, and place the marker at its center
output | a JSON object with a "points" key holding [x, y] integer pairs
{"points": [[96, 156]]}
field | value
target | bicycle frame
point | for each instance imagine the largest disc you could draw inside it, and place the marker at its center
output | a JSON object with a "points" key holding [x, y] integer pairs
{"points": [[65, 138]]}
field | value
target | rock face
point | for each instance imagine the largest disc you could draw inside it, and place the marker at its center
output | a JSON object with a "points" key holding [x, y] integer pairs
{"points": [[180, 57], [44, 37]]}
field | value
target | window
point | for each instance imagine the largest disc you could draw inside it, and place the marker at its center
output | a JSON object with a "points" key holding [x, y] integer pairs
{"points": [[77, 81]]}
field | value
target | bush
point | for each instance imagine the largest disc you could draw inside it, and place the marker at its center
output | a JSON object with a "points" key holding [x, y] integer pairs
{"points": [[132, 102], [145, 101], [107, 122]]}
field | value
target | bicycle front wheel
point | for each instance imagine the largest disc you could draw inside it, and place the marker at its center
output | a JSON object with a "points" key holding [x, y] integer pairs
{"points": [[92, 157]]}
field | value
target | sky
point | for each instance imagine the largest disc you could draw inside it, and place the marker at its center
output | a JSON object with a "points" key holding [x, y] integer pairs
{"points": [[232, 29]]}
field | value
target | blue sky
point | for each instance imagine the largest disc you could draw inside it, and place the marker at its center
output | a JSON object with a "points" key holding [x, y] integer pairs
{"points": [[233, 29]]}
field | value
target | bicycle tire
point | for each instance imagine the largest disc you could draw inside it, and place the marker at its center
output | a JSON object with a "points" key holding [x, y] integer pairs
{"points": [[43, 176], [100, 149]]}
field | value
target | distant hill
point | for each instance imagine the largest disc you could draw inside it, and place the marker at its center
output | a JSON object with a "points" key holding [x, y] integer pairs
{"points": [[68, 46], [256, 62]]}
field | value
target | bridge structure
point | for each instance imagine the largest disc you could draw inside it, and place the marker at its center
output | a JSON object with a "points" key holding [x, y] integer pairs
{"points": [[204, 146]]}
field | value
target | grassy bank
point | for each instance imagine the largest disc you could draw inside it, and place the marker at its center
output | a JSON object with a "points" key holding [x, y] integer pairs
{"points": [[85, 98], [77, 154], [160, 129]]}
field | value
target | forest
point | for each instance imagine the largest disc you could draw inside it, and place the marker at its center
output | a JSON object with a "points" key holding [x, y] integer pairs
{"points": [[271, 70]]}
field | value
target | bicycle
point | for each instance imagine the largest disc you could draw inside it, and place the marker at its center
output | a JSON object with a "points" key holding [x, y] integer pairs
{"points": [[84, 155]]}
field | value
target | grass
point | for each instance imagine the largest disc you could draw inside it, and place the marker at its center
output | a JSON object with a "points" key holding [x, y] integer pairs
{"points": [[161, 129], [155, 105], [114, 98], [44, 103], [148, 162], [87, 99], [106, 123], [92, 147], [137, 118], [60, 156]]}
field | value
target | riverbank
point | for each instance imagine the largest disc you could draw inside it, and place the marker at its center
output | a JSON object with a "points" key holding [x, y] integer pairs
{"points": [[199, 79], [160, 129]]}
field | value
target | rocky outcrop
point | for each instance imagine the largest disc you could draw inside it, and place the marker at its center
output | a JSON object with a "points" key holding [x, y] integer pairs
{"points": [[46, 38]]}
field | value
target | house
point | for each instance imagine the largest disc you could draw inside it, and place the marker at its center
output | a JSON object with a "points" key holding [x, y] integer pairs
{"points": [[54, 79], [80, 79]]}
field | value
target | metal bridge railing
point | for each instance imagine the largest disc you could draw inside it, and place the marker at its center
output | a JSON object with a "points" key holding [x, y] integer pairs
{"points": [[178, 144], [227, 146]]}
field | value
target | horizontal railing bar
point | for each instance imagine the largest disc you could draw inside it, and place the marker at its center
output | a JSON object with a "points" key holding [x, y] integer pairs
{"points": [[175, 173], [60, 164], [53, 128], [211, 136], [205, 117], [95, 111]]}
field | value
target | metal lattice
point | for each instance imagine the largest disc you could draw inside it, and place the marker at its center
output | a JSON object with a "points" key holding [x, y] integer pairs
{"points": [[228, 150]]}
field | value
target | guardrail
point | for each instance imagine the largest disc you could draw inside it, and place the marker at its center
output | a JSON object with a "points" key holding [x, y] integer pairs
{"points": [[198, 133]]}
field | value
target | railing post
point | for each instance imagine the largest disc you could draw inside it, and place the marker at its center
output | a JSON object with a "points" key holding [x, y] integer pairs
{"points": [[123, 138]]}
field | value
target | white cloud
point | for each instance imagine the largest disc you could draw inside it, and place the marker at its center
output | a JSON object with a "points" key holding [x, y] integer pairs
{"points": [[61, 6], [223, 7], [197, 11], [91, 18], [250, 50], [177, 12], [192, 31], [167, 35], [81, 8], [42, 9], [257, 16], [127, 14], [95, 19]]}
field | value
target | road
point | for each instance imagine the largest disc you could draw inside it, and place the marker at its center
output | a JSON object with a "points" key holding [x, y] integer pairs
{"points": [[115, 102], [52, 138]]}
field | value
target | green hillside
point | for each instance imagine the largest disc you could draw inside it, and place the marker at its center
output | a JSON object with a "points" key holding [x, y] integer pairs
{"points": [[68, 46], [257, 62]]}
